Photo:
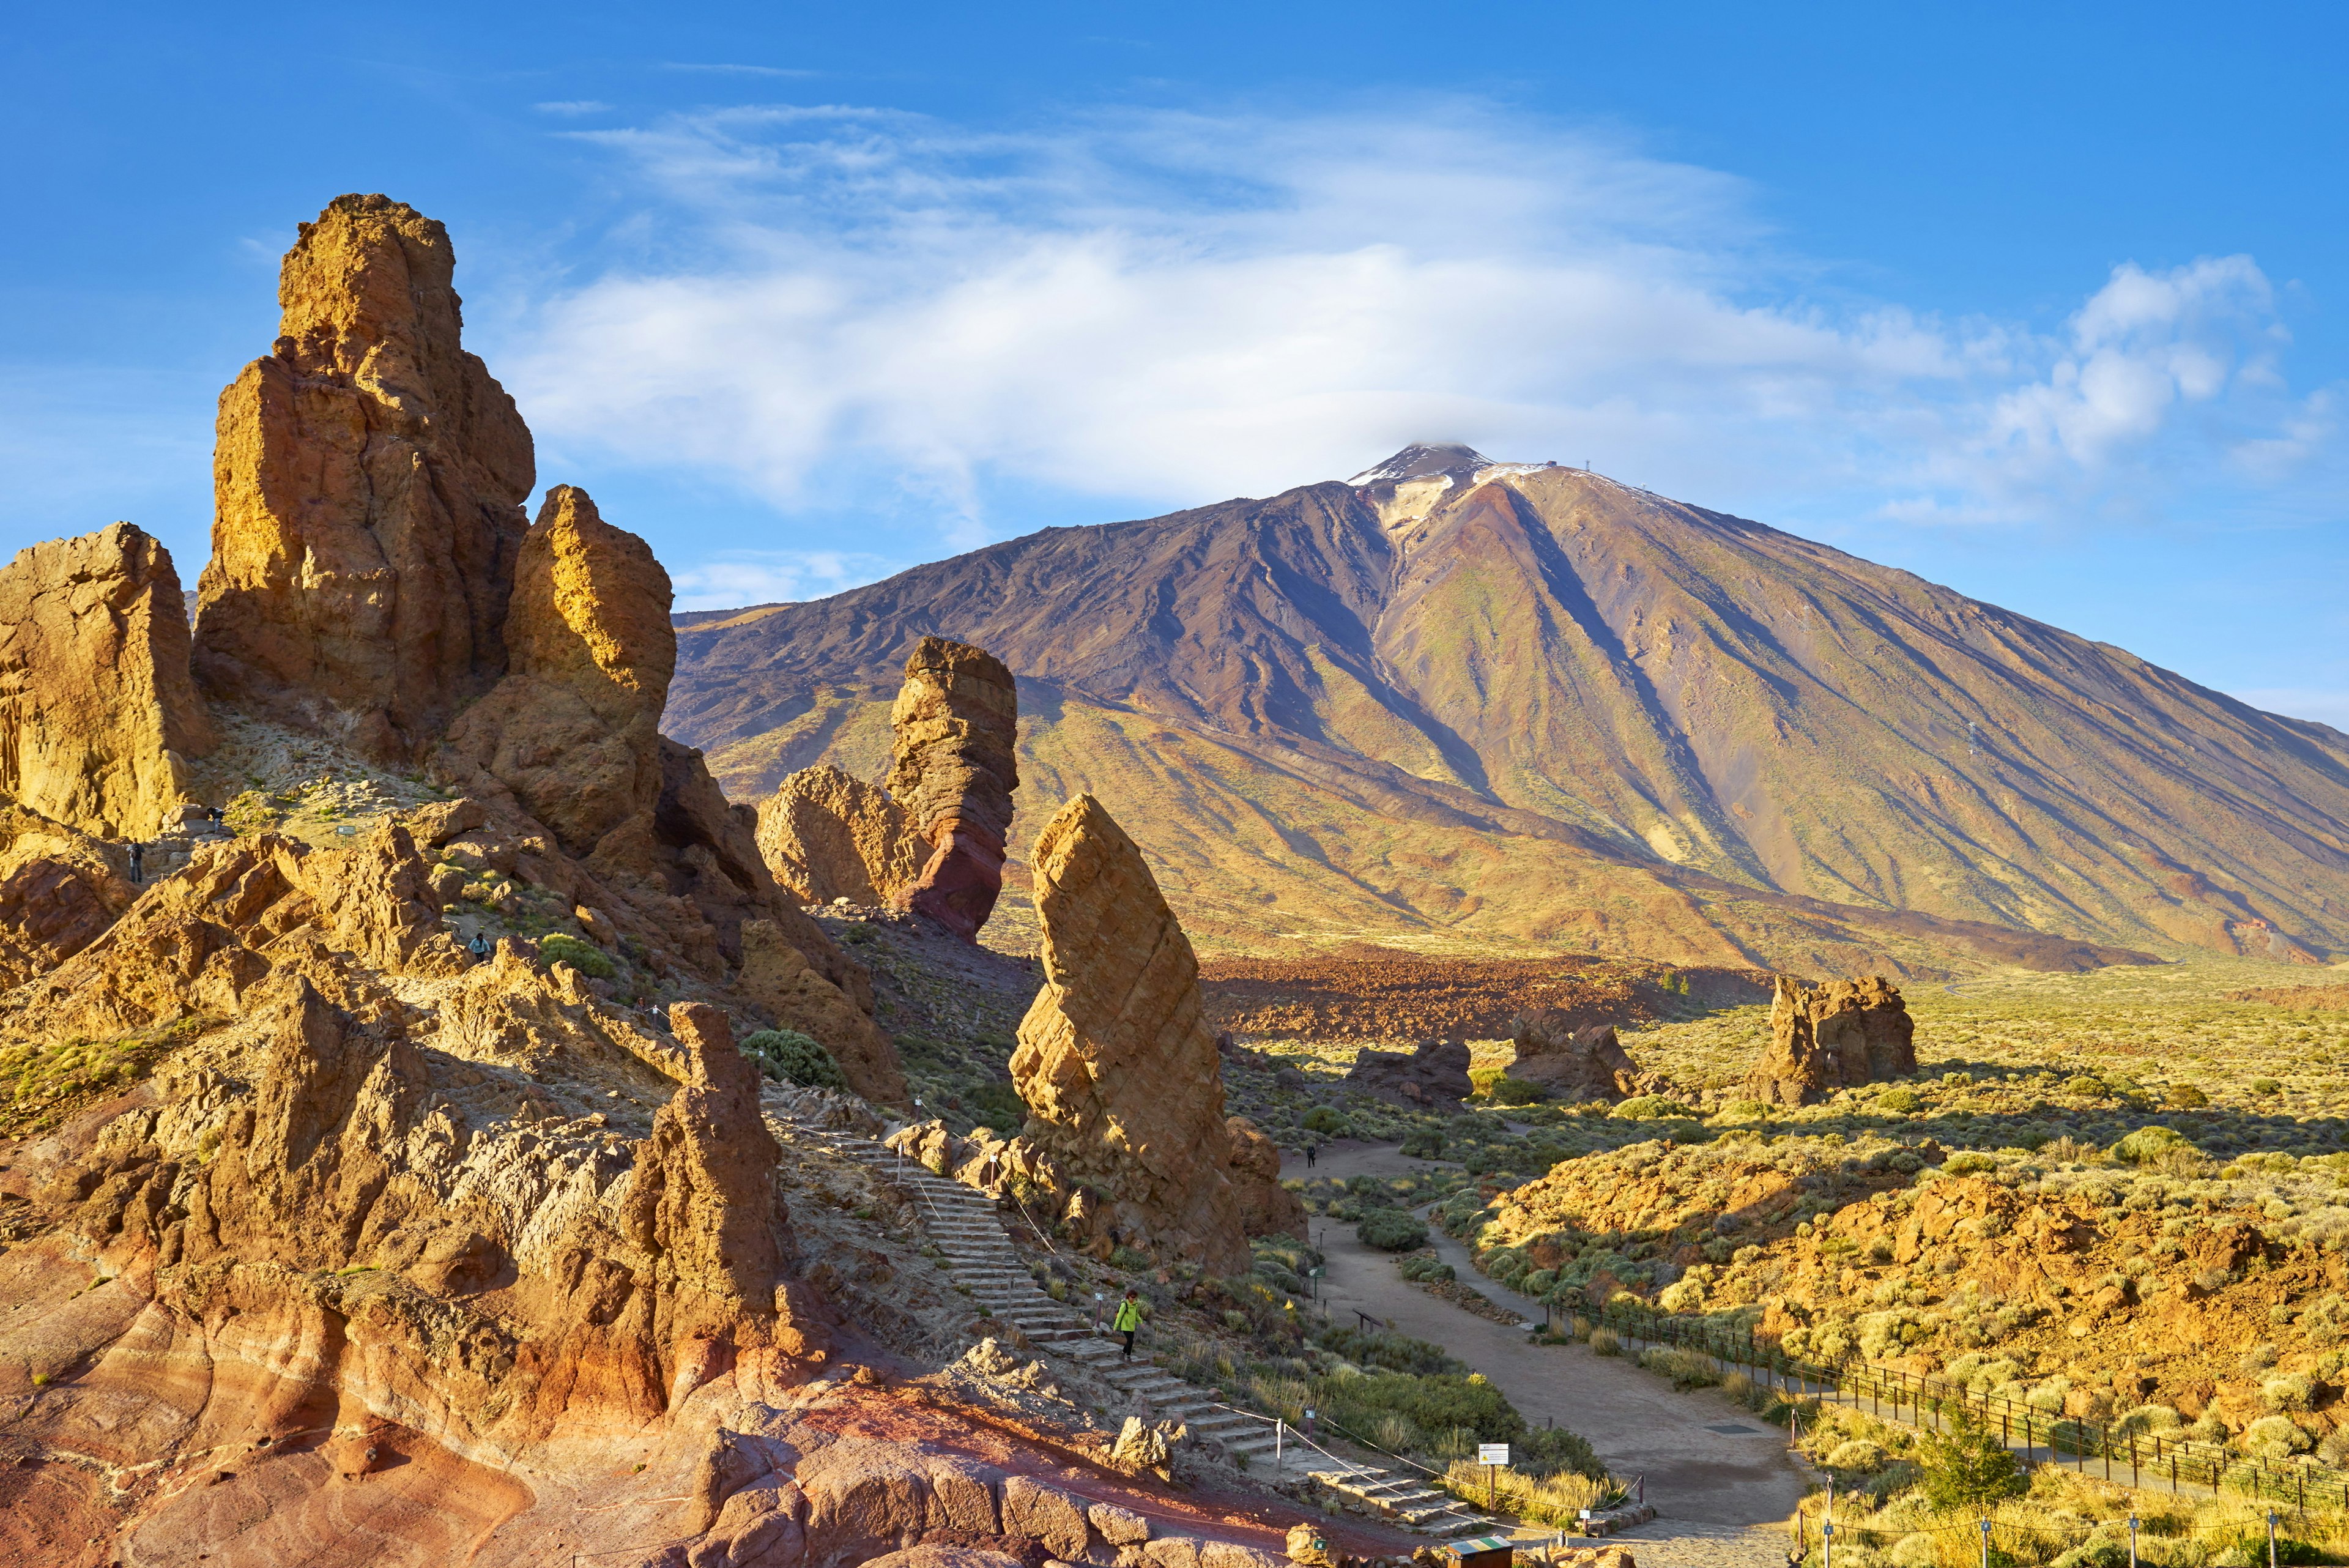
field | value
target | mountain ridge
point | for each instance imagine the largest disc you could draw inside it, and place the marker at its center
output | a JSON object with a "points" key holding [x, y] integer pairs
{"points": [[1662, 686]]}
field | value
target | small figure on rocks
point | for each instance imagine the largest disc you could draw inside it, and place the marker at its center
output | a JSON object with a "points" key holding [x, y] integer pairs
{"points": [[479, 946], [1128, 1321]]}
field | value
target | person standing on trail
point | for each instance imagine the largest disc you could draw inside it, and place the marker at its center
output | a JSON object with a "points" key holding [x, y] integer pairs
{"points": [[1128, 1321], [137, 861], [479, 946], [1308, 1157]]}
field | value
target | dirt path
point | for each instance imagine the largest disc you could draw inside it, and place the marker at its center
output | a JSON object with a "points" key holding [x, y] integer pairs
{"points": [[1722, 1496]]}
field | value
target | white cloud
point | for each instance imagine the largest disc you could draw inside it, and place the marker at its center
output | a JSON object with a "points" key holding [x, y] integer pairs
{"points": [[774, 576], [574, 106], [1184, 306]]}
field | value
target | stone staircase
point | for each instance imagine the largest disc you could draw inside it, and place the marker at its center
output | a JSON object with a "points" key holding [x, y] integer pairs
{"points": [[966, 1226]]}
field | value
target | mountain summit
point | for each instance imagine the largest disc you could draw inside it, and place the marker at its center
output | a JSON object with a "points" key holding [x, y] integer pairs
{"points": [[1456, 699]]}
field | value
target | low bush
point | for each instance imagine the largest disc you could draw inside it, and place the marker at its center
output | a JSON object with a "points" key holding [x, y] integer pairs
{"points": [[1651, 1107], [1391, 1231], [1426, 1268], [1510, 1091], [1901, 1101], [1427, 1143], [249, 813], [1859, 1456], [1686, 1368], [786, 1055], [2154, 1145], [1605, 1342], [585, 957], [1328, 1121]]}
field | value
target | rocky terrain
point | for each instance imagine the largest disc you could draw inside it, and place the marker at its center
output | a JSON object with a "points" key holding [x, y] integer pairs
{"points": [[1487, 704], [463, 1149]]}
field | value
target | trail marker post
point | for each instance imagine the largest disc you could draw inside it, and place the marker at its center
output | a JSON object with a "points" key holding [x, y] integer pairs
{"points": [[1491, 1456]]}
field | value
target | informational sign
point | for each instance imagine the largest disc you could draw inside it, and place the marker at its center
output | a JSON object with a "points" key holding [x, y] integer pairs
{"points": [[1491, 1453]]}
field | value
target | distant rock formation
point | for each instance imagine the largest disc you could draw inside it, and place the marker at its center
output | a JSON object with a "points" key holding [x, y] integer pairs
{"points": [[1577, 1064], [573, 729], [1834, 1037], [98, 715], [933, 840], [1118, 1069], [369, 482], [1267, 1208], [1433, 1077], [826, 834], [957, 721]]}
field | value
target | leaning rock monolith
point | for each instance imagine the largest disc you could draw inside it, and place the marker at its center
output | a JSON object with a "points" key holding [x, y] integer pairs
{"points": [[1577, 1064], [574, 731], [369, 480], [957, 720], [1116, 1063], [1834, 1037], [98, 715]]}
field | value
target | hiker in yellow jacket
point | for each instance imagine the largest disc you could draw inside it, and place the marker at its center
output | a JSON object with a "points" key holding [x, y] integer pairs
{"points": [[1129, 1318]]}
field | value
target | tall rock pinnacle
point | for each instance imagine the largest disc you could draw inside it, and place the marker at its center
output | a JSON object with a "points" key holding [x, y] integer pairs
{"points": [[367, 483], [957, 721]]}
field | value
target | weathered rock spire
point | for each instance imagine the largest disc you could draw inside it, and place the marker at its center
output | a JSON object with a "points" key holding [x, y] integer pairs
{"points": [[369, 480]]}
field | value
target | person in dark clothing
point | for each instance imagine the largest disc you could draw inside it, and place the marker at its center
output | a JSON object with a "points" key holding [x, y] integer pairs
{"points": [[138, 862], [479, 946], [1308, 1157]]}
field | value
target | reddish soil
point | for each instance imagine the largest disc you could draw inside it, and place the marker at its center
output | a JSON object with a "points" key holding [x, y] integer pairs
{"points": [[2295, 996], [1379, 993]]}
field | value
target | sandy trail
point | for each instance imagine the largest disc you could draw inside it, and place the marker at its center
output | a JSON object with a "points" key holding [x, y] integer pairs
{"points": [[1722, 1496]]}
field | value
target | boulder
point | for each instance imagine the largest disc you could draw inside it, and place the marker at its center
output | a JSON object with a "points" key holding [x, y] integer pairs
{"points": [[573, 729], [1577, 1064], [1116, 1062], [1834, 1037], [60, 891], [1267, 1208], [826, 835], [99, 714], [1435, 1076], [957, 722], [369, 480]]}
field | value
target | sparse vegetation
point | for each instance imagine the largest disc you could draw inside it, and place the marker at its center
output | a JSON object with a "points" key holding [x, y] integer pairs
{"points": [[585, 957], [789, 1056]]}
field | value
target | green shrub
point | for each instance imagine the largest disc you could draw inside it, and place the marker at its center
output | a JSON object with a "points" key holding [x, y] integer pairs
{"points": [[2152, 1146], [585, 957], [1427, 1269], [1391, 1231], [787, 1056], [2185, 1094], [1329, 1121], [1510, 1091], [1427, 1143], [1968, 1468], [1901, 1101], [1686, 1368], [1858, 1454], [1648, 1107], [1968, 1162], [2266, 1087], [1606, 1341], [249, 813]]}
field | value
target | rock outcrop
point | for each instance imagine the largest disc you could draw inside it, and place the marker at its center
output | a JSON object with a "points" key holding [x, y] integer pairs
{"points": [[776, 977], [368, 483], [1577, 1064], [1834, 1037], [1434, 1077], [957, 721], [573, 729], [826, 835], [1267, 1208], [99, 714], [60, 891], [1116, 1062]]}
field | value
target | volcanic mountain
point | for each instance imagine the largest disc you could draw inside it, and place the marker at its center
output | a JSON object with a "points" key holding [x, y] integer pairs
{"points": [[1454, 701]]}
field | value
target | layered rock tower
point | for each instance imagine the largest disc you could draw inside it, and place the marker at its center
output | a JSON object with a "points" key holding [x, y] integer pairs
{"points": [[369, 482]]}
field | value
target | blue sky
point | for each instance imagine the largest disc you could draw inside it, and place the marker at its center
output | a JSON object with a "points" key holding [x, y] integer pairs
{"points": [[2047, 303]]}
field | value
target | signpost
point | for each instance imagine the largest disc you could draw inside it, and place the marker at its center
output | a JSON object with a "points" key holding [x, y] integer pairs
{"points": [[1492, 1456]]}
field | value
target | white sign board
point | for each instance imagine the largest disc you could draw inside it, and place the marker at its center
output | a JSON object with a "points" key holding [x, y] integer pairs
{"points": [[1491, 1453]]}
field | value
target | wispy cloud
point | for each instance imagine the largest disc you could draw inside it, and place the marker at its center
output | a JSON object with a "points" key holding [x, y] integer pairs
{"points": [[771, 576], [727, 69], [1181, 307], [574, 106]]}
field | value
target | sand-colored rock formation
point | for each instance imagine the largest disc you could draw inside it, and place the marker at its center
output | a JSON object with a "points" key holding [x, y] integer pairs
{"points": [[1435, 1076], [826, 834], [573, 729], [1577, 1064], [368, 483], [776, 977], [1115, 1063], [98, 715], [1267, 1208], [1834, 1037], [59, 891], [957, 722]]}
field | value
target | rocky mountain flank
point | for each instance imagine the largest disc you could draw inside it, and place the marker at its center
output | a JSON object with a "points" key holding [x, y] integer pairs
{"points": [[324, 1239], [1457, 701]]}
